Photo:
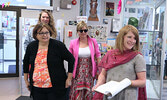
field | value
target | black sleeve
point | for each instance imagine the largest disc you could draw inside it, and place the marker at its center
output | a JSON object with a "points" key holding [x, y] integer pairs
{"points": [[68, 57], [26, 60]]}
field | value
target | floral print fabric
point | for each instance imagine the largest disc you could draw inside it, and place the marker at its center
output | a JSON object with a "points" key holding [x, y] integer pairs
{"points": [[41, 76]]}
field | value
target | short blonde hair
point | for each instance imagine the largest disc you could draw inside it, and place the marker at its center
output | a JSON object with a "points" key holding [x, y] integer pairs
{"points": [[80, 25], [120, 38]]}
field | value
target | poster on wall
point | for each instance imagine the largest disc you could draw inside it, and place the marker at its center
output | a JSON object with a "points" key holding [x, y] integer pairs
{"points": [[98, 32], [82, 18], [109, 9], [115, 25], [105, 21], [111, 42], [93, 10]]}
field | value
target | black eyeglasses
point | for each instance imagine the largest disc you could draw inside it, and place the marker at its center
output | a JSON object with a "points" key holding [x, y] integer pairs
{"points": [[86, 30], [43, 33]]}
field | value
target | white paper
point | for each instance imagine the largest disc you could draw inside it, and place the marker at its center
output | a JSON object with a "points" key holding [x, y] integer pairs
{"points": [[113, 87], [68, 5]]}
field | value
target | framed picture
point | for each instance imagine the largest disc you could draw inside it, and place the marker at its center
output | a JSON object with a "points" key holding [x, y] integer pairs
{"points": [[93, 10], [115, 25], [105, 21], [72, 22], [109, 9]]}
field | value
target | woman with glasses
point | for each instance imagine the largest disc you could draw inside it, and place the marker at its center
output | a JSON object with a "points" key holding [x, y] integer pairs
{"points": [[47, 76], [84, 50], [44, 17]]}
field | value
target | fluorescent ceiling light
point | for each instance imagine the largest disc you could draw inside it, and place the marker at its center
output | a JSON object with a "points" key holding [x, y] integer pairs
{"points": [[20, 0], [39, 7]]}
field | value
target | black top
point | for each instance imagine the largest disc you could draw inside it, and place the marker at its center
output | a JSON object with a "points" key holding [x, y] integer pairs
{"points": [[57, 53]]}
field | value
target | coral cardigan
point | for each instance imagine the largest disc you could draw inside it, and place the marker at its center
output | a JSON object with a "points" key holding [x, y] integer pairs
{"points": [[94, 50]]}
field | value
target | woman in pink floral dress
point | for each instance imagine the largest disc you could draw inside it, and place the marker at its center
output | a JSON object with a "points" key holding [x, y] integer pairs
{"points": [[84, 50]]}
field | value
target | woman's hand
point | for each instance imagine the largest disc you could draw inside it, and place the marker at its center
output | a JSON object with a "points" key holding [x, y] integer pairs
{"points": [[101, 79], [94, 87], [27, 84], [68, 82], [26, 81]]}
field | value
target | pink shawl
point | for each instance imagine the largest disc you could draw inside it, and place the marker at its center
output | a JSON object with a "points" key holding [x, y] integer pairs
{"points": [[114, 58]]}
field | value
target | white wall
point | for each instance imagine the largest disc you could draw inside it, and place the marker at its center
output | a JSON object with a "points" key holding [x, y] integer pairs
{"points": [[65, 14], [30, 13], [70, 14]]}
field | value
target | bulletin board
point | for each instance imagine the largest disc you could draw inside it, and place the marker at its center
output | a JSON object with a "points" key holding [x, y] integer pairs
{"points": [[99, 32]]}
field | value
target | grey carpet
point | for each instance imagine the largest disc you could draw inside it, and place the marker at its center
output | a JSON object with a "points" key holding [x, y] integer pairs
{"points": [[164, 93], [24, 98]]}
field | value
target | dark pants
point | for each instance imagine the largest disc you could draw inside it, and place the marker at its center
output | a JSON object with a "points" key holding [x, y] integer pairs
{"points": [[67, 94], [46, 94]]}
